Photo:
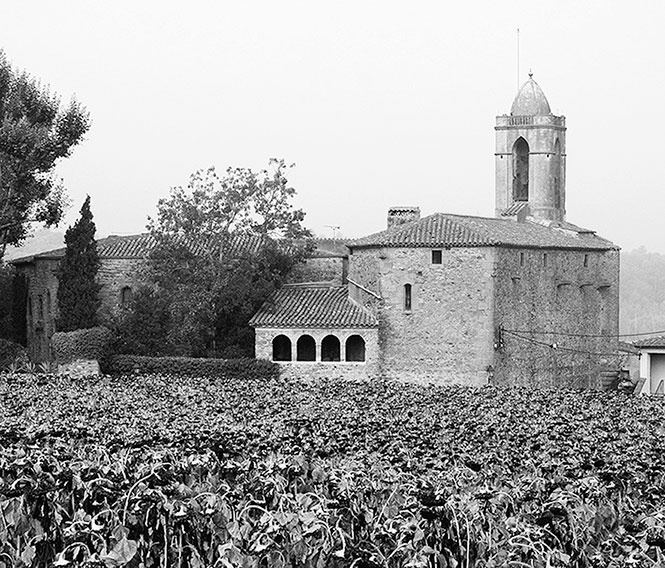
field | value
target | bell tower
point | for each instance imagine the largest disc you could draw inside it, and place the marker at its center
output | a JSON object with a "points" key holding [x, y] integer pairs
{"points": [[531, 158]]}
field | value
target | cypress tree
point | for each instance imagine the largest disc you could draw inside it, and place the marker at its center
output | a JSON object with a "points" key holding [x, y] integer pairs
{"points": [[78, 291]]}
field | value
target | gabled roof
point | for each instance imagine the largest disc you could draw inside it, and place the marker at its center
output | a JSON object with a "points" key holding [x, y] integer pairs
{"points": [[445, 230], [312, 305]]}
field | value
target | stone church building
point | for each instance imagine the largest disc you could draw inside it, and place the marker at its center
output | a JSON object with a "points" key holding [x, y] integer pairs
{"points": [[523, 297]]}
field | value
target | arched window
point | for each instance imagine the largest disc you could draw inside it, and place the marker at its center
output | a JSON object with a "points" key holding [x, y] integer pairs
{"points": [[330, 348], [281, 348], [520, 170], [126, 296], [407, 297], [355, 348], [306, 348]]}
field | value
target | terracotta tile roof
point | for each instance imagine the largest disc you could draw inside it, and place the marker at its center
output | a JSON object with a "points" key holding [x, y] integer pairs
{"points": [[444, 230], [139, 246], [657, 342], [310, 305]]}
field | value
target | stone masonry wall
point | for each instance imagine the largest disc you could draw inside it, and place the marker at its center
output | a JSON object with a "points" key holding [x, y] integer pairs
{"points": [[42, 306], [318, 369], [553, 291], [113, 275], [447, 335]]}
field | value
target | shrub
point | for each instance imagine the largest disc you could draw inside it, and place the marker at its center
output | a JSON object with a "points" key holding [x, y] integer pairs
{"points": [[232, 368], [11, 352], [93, 343]]}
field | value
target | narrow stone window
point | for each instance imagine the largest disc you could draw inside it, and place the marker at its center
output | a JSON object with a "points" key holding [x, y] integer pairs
{"points": [[355, 348], [330, 348], [437, 257], [306, 348], [281, 348], [521, 259], [544, 259], [586, 260], [40, 304], [407, 297], [49, 309], [126, 296]]}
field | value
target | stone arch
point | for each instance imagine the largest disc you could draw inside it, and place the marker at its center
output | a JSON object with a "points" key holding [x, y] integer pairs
{"points": [[521, 170], [306, 348], [355, 348], [281, 348], [330, 348]]}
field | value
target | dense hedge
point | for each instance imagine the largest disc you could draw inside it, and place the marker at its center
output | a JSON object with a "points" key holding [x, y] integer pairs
{"points": [[192, 367], [93, 343], [10, 352]]}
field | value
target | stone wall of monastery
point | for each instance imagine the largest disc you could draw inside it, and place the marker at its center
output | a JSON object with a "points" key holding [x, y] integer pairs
{"points": [[564, 299], [114, 274], [319, 270], [447, 334], [42, 306]]}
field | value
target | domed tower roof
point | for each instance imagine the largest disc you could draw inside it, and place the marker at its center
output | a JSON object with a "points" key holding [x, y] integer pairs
{"points": [[530, 100]]}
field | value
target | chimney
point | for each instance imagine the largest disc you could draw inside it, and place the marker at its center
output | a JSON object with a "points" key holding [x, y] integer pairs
{"points": [[399, 215]]}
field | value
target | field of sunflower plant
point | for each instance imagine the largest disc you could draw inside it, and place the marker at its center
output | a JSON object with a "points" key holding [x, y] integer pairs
{"points": [[156, 471]]}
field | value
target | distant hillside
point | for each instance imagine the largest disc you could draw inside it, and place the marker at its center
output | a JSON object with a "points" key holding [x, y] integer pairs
{"points": [[642, 295], [41, 241]]}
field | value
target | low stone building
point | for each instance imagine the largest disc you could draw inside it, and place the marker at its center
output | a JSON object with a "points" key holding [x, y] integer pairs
{"points": [[318, 330], [521, 298]]}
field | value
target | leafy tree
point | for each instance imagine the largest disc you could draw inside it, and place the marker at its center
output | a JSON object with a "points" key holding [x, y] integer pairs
{"points": [[142, 327], [223, 244], [35, 132], [78, 291]]}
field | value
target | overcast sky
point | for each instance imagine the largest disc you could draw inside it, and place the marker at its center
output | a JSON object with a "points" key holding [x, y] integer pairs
{"points": [[377, 103]]}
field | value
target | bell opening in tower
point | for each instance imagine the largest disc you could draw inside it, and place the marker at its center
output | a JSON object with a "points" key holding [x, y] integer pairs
{"points": [[520, 170]]}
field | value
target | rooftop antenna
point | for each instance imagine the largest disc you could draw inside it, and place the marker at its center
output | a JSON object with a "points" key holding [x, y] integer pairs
{"points": [[334, 228], [518, 59]]}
